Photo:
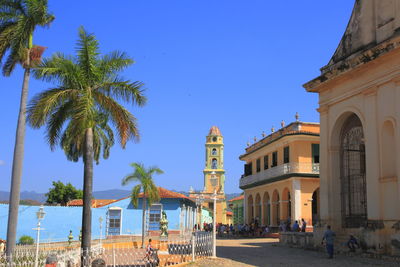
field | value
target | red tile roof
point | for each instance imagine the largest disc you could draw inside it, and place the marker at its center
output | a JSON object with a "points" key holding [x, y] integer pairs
{"points": [[96, 203], [215, 131], [165, 193], [237, 198]]}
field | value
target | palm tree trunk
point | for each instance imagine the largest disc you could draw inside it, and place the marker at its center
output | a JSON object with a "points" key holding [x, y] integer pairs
{"points": [[17, 168], [143, 217], [87, 197]]}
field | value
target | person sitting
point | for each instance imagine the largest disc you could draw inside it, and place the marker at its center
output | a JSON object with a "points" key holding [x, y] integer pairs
{"points": [[352, 243]]}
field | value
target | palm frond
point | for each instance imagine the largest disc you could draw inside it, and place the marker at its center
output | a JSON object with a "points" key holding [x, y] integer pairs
{"points": [[42, 105], [87, 55], [135, 195], [122, 119]]}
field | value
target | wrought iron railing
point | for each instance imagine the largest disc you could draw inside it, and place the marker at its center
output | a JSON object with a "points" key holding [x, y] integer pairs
{"points": [[306, 168]]}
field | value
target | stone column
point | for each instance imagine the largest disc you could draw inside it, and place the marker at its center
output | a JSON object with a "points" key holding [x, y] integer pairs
{"points": [[372, 157], [296, 200]]}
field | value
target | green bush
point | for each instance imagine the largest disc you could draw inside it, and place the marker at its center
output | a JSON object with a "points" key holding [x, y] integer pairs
{"points": [[26, 240]]}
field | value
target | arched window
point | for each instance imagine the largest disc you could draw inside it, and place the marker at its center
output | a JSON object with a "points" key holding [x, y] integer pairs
{"points": [[352, 172], [214, 152], [214, 164]]}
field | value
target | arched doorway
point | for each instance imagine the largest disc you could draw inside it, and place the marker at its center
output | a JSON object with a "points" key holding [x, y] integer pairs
{"points": [[315, 207], [353, 173], [267, 209], [287, 204], [275, 208], [250, 210]]}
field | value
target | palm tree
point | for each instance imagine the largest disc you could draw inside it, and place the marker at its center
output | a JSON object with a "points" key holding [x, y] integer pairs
{"points": [[77, 111], [18, 21], [146, 188]]}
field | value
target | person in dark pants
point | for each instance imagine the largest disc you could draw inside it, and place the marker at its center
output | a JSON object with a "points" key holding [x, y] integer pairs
{"points": [[329, 238]]}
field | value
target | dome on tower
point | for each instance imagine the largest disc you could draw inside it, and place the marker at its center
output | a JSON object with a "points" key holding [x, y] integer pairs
{"points": [[215, 131]]}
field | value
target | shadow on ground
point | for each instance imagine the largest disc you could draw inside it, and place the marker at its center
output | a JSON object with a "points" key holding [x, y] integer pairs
{"points": [[259, 253]]}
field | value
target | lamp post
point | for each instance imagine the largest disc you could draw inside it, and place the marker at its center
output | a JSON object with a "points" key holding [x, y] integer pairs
{"points": [[199, 201], [101, 224], [39, 215], [213, 181]]}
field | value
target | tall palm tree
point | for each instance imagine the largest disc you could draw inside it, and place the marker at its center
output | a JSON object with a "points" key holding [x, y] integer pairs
{"points": [[18, 21], [146, 187], [77, 111]]}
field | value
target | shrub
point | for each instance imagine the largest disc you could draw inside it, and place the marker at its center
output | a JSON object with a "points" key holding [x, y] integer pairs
{"points": [[26, 240]]}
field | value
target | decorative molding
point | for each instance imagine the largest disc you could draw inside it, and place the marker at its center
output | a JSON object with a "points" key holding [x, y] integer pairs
{"points": [[388, 179]]}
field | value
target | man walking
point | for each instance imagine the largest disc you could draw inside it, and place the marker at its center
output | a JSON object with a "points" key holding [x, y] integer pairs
{"points": [[329, 237]]}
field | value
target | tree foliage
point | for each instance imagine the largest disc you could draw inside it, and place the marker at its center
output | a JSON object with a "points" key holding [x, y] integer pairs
{"points": [[144, 177], [18, 20], [61, 193], [26, 240], [85, 96]]}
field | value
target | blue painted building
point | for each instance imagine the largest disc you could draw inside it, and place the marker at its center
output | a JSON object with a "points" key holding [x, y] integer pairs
{"points": [[119, 217]]}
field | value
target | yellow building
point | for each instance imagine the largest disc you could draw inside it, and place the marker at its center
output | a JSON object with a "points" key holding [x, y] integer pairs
{"points": [[360, 124], [281, 175], [214, 175]]}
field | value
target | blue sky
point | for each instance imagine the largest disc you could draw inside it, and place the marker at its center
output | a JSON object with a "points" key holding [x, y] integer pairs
{"points": [[239, 65]]}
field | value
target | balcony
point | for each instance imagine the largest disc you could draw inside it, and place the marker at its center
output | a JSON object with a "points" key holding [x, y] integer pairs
{"points": [[285, 169]]}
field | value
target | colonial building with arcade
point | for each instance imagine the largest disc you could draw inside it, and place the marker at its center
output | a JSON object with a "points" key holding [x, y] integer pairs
{"points": [[281, 176]]}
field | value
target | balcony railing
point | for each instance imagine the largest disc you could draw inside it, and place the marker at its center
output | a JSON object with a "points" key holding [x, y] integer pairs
{"points": [[306, 168]]}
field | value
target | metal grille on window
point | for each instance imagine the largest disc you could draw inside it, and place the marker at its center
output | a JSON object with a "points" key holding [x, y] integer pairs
{"points": [[353, 178], [155, 217], [114, 222]]}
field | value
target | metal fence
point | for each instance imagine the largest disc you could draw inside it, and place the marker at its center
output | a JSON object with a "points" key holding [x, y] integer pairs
{"points": [[120, 252]]}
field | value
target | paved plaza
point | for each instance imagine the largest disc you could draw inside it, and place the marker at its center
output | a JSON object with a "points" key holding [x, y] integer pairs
{"points": [[266, 252]]}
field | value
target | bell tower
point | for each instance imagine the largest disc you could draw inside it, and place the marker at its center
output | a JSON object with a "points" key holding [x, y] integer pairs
{"points": [[214, 173]]}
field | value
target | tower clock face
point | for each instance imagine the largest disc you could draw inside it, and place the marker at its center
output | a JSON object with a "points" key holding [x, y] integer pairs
{"points": [[214, 139]]}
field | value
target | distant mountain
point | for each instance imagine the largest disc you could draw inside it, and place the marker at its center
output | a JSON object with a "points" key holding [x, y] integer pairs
{"points": [[25, 195], [111, 194], [40, 197], [106, 194]]}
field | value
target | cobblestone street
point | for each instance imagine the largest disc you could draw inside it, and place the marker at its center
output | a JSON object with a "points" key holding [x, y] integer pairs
{"points": [[265, 252]]}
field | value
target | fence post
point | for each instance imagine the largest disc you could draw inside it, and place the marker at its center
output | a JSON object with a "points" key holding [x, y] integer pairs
{"points": [[113, 254], [193, 246]]}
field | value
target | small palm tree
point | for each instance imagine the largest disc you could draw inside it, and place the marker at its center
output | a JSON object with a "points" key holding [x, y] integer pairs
{"points": [[78, 110], [18, 21], [146, 188]]}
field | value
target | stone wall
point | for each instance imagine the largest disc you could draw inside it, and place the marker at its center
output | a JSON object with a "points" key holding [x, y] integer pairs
{"points": [[295, 239]]}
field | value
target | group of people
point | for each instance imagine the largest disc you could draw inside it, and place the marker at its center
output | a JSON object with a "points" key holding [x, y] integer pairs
{"points": [[298, 226], [329, 239]]}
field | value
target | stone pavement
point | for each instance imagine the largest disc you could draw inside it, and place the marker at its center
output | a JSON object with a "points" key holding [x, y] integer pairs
{"points": [[266, 252]]}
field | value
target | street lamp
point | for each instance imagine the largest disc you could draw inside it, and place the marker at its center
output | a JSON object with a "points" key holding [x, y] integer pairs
{"points": [[101, 224], [214, 197], [40, 216], [213, 181], [199, 201]]}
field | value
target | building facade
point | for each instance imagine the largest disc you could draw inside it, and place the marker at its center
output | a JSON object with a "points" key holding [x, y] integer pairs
{"points": [[236, 205], [360, 125], [214, 175], [119, 217], [281, 176]]}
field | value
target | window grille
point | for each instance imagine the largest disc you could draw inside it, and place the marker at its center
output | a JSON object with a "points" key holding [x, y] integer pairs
{"points": [[353, 178], [114, 222], [155, 217], [285, 155], [266, 162]]}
